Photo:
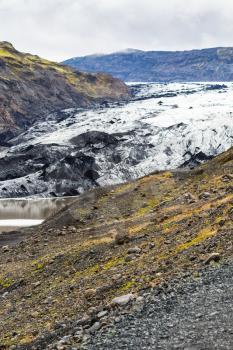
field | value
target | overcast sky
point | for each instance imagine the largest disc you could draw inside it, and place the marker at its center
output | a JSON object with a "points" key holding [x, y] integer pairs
{"points": [[60, 29]]}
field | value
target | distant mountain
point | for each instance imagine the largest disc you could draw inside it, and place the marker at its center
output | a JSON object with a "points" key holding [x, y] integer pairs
{"points": [[31, 88], [215, 64]]}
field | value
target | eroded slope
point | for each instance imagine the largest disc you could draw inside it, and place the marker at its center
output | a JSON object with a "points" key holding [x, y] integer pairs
{"points": [[32, 87], [113, 241]]}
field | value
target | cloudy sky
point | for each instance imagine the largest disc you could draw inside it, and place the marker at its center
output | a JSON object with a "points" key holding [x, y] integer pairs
{"points": [[60, 29]]}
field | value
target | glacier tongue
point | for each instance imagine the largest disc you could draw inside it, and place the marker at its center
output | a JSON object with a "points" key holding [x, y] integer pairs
{"points": [[165, 126]]}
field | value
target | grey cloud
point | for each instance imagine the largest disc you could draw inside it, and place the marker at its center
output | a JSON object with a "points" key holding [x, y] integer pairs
{"points": [[59, 29]]}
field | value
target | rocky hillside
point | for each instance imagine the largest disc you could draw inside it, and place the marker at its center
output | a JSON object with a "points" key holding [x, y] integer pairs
{"points": [[61, 285], [31, 88], [214, 64]]}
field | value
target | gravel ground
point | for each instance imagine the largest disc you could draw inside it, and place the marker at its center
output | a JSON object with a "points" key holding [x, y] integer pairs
{"points": [[192, 316]]}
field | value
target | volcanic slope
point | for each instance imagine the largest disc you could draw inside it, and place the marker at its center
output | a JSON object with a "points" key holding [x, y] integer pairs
{"points": [[134, 238], [32, 87]]}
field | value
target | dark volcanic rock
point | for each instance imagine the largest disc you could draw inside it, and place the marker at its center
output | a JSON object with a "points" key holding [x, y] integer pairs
{"points": [[195, 159], [94, 139], [47, 169]]}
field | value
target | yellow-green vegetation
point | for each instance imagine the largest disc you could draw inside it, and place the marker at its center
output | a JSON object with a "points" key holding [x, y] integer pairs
{"points": [[6, 282], [113, 263], [6, 53], [164, 216], [88, 272], [38, 266], [127, 286], [151, 204], [202, 235], [138, 228]]}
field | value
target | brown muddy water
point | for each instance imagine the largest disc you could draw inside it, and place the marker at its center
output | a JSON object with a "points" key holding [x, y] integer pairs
{"points": [[16, 213]]}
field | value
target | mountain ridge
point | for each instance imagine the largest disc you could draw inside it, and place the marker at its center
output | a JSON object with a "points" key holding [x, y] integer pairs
{"points": [[211, 64]]}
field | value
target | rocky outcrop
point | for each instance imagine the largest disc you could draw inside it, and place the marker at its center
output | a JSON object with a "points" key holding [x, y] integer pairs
{"points": [[162, 66], [31, 88]]}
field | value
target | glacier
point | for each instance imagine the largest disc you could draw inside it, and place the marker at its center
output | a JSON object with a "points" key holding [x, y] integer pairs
{"points": [[163, 126]]}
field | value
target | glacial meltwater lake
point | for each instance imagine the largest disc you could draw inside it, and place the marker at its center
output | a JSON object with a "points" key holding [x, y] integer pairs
{"points": [[15, 213]]}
